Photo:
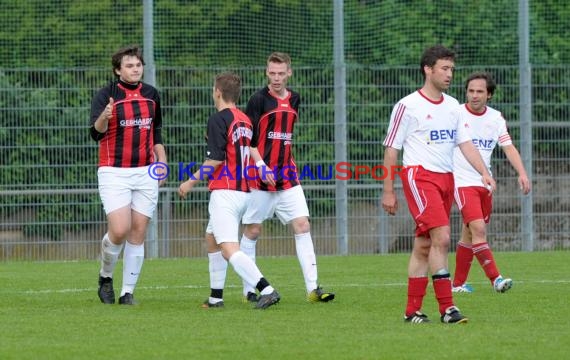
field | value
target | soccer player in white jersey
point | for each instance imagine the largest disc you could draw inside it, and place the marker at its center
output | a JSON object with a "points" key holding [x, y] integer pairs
{"points": [[426, 125], [488, 129]]}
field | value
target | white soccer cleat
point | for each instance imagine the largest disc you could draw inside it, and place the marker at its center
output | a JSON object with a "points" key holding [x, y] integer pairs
{"points": [[465, 288]]}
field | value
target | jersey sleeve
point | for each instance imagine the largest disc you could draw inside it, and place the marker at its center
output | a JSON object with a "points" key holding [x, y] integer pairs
{"points": [[398, 127], [461, 126], [157, 121], [254, 110], [217, 138], [98, 103], [504, 136]]}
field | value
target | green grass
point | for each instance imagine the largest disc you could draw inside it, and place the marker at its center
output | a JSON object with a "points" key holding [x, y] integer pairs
{"points": [[50, 310]]}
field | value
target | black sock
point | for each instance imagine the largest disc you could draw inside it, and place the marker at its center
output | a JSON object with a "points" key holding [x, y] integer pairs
{"points": [[217, 293], [262, 284]]}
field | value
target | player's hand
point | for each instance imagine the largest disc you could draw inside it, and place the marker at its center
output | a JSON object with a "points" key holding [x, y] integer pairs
{"points": [[266, 175], [109, 109], [524, 184], [185, 188], [389, 202], [489, 183]]}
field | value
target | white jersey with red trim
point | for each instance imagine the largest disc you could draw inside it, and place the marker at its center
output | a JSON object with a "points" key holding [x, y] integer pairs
{"points": [[427, 130], [487, 130]]}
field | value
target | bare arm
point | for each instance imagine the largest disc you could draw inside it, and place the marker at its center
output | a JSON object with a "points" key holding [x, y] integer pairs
{"points": [[515, 159], [474, 158], [389, 200], [102, 122], [160, 153], [208, 167]]}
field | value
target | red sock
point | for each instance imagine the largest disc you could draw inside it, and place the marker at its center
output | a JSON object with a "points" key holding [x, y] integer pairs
{"points": [[485, 257], [463, 259], [442, 289], [416, 292]]}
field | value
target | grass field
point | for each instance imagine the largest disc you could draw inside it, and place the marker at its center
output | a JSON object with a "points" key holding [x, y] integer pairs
{"points": [[50, 310]]}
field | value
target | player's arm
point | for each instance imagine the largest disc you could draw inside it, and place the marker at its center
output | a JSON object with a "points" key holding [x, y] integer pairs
{"points": [[389, 200], [474, 158], [101, 124], [515, 159], [265, 173], [206, 169]]}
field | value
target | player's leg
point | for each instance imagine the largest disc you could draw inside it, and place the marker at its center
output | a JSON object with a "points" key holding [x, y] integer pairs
{"points": [[463, 260], [116, 198], [418, 264], [217, 267], [484, 255], [118, 227], [471, 202], [144, 201], [417, 280], [133, 257], [260, 207], [248, 244], [225, 222], [292, 208], [436, 200]]}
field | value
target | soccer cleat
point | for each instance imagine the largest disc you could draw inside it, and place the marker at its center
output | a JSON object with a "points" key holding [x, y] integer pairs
{"points": [[417, 318], [465, 288], [127, 299], [106, 292], [266, 301], [208, 305], [502, 285], [251, 297], [453, 316], [319, 295]]}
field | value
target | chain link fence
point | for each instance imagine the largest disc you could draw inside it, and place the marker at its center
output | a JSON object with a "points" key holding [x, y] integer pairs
{"points": [[55, 55]]}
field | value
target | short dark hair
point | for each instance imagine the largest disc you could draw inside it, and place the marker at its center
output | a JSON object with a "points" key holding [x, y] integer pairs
{"points": [[131, 50], [491, 85], [280, 58], [433, 54], [229, 84]]}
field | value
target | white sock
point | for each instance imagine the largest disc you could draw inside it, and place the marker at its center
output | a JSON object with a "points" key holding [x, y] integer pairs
{"points": [[217, 266], [245, 268], [133, 258], [109, 255], [307, 259], [248, 247]]}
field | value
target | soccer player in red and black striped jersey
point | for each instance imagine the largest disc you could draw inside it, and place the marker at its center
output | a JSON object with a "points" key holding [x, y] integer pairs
{"points": [[274, 111], [227, 159], [126, 121]]}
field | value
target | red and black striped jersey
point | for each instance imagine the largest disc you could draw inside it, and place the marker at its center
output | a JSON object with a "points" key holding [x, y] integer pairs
{"points": [[273, 122], [229, 137], [134, 128]]}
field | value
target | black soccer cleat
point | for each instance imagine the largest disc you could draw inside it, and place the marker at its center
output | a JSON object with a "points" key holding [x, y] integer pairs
{"points": [[453, 316], [251, 297], [208, 305], [319, 295], [106, 292], [127, 299], [417, 318], [266, 301]]}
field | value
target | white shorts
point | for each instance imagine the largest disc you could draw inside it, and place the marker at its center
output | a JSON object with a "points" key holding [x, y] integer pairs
{"points": [[226, 208], [120, 187], [209, 228], [286, 204]]}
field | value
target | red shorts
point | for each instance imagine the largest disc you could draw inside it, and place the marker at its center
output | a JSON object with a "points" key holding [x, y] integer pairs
{"points": [[429, 196], [475, 203]]}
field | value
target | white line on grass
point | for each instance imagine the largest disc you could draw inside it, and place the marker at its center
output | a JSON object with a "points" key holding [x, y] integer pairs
{"points": [[336, 286]]}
